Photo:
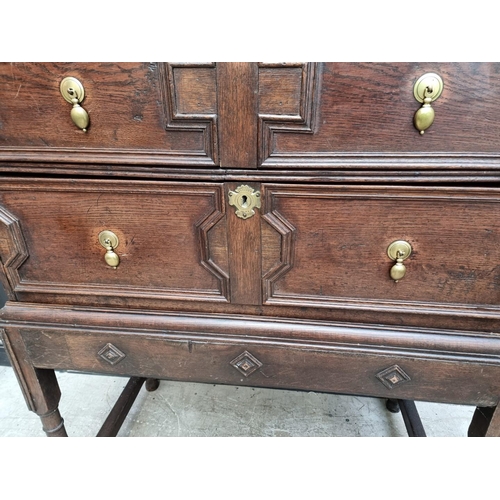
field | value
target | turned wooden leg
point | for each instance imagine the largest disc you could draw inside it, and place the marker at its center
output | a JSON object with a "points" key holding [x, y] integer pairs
{"points": [[53, 424], [39, 386], [485, 422]]}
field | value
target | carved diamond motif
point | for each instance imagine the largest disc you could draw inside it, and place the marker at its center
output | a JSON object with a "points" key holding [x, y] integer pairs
{"points": [[111, 354], [394, 375], [246, 364]]}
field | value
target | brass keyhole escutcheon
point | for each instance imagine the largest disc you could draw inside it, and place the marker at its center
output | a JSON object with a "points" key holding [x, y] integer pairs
{"points": [[73, 92], [110, 241], [244, 199], [426, 90], [398, 251]]}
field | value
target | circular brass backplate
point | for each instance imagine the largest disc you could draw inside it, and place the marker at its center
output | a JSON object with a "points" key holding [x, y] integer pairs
{"points": [[108, 235], [429, 80], [399, 246], [71, 83]]}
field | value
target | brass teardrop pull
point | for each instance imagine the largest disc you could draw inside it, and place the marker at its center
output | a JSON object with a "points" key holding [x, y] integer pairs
{"points": [[399, 251], [426, 90], [424, 117], [73, 92], [110, 241], [398, 270]]}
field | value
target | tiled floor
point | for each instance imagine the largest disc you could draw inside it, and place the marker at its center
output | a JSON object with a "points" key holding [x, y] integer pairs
{"points": [[188, 409]]}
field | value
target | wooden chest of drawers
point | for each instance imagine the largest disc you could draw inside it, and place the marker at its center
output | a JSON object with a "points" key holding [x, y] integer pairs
{"points": [[275, 225]]}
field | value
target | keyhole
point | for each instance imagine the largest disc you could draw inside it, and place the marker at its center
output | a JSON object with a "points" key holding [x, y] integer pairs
{"points": [[244, 201]]}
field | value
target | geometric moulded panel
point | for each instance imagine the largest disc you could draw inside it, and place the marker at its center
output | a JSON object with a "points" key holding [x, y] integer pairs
{"points": [[289, 101], [13, 251]]}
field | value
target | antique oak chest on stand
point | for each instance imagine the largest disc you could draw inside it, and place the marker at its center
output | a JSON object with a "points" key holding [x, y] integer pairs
{"points": [[318, 226]]}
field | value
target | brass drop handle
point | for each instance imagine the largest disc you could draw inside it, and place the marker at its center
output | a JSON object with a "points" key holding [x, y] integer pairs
{"points": [[73, 92], [426, 90], [399, 251], [110, 241]]}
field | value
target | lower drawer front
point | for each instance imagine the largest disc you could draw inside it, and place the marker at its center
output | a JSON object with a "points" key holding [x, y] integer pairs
{"points": [[213, 359], [329, 247], [170, 241]]}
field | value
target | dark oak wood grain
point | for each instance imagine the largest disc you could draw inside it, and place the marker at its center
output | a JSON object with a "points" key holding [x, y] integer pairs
{"points": [[297, 296], [335, 247], [166, 247], [363, 114], [244, 254], [39, 386], [202, 349], [237, 109], [139, 113]]}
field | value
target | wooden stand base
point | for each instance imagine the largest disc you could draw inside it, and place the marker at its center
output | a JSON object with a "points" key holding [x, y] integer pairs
{"points": [[411, 418], [485, 422], [122, 407], [119, 412]]}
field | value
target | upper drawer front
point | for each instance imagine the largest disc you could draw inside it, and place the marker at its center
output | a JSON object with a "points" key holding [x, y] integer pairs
{"points": [[342, 115], [139, 113], [171, 241], [328, 247]]}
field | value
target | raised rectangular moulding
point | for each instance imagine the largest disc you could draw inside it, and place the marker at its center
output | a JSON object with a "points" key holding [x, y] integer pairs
{"points": [[170, 241], [349, 116], [327, 247], [141, 114]]}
